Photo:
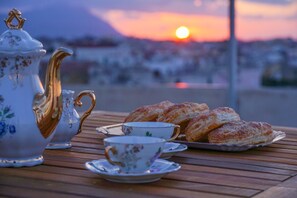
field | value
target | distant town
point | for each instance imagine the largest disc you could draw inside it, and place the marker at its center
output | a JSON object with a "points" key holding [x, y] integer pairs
{"points": [[138, 62]]}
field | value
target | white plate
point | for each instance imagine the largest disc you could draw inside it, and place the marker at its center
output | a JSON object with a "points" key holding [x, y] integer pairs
{"points": [[111, 130], [116, 129], [171, 148], [278, 135], [109, 172]]}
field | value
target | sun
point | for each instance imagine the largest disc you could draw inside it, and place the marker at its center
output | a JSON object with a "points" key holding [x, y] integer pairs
{"points": [[182, 32]]}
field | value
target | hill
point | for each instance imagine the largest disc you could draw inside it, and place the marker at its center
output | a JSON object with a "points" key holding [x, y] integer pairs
{"points": [[65, 21]]}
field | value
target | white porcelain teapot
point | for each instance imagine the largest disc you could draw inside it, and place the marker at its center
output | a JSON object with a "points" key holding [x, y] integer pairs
{"points": [[28, 113]]}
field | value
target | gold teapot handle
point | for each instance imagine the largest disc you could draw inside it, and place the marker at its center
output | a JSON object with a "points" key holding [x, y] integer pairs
{"points": [[77, 102]]}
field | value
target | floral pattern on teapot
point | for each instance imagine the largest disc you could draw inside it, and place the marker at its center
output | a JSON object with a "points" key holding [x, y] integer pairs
{"points": [[16, 69], [3, 64], [13, 40], [5, 115]]}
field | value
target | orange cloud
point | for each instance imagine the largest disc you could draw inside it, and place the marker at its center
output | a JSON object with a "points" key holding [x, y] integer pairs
{"points": [[248, 29], [266, 21], [257, 9]]}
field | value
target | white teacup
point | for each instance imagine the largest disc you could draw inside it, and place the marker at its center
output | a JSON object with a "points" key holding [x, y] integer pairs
{"points": [[133, 154], [164, 130]]}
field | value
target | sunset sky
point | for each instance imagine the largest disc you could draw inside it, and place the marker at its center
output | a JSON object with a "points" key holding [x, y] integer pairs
{"points": [[206, 19]]}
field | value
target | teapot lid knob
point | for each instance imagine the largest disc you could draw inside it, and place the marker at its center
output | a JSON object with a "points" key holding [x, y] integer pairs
{"points": [[15, 14]]}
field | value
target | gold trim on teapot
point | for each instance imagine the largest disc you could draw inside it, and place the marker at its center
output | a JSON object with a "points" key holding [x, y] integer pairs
{"points": [[15, 14]]}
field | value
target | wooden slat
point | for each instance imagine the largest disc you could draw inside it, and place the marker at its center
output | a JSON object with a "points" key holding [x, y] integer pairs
{"points": [[169, 183], [277, 192], [290, 183], [17, 191], [59, 189], [105, 188], [217, 170]]}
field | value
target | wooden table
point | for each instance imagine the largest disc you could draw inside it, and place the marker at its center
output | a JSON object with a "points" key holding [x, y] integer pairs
{"points": [[263, 172]]}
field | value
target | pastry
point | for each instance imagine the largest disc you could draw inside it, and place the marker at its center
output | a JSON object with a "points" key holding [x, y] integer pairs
{"points": [[242, 133], [148, 112], [199, 127], [182, 113]]}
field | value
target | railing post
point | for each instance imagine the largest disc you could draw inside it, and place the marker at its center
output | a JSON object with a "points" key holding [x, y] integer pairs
{"points": [[232, 58]]}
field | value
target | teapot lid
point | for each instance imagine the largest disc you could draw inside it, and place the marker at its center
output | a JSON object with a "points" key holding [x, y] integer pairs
{"points": [[15, 39]]}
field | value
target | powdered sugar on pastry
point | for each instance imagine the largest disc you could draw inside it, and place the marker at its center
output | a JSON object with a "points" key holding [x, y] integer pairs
{"points": [[182, 113], [242, 133], [199, 127]]}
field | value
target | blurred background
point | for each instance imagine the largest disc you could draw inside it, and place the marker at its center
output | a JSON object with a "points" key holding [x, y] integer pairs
{"points": [[139, 52]]}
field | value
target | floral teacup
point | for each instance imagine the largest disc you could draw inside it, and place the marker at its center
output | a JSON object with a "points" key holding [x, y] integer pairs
{"points": [[164, 130], [133, 154]]}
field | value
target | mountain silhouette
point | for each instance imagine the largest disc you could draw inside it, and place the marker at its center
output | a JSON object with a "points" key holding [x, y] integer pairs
{"points": [[65, 21]]}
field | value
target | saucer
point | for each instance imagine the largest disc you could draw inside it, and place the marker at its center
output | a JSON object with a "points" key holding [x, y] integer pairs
{"points": [[21, 162], [111, 173], [172, 148], [52, 145]]}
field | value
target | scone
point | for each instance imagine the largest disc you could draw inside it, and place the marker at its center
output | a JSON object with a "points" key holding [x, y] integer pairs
{"points": [[199, 127], [242, 133], [148, 112], [182, 113]]}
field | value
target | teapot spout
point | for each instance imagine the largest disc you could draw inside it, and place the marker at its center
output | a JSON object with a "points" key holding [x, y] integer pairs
{"points": [[48, 105]]}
